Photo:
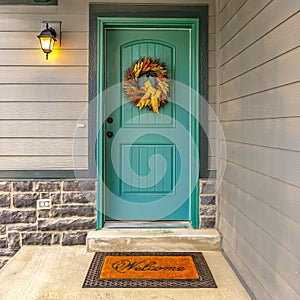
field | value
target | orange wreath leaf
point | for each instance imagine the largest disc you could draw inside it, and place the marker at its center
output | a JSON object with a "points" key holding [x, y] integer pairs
{"points": [[153, 91]]}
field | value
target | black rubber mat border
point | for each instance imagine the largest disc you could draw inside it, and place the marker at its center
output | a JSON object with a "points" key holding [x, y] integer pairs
{"points": [[93, 280]]}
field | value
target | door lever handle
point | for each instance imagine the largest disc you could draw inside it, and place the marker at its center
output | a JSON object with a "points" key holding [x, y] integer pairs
{"points": [[109, 134]]}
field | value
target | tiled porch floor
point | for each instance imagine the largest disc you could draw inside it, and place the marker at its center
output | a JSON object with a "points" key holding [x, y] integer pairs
{"points": [[38, 272]]}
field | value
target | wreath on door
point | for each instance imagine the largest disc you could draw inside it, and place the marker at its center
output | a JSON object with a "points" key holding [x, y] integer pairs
{"points": [[146, 84]]}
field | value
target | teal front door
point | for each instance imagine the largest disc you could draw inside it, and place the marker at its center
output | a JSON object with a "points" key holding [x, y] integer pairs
{"points": [[149, 158]]}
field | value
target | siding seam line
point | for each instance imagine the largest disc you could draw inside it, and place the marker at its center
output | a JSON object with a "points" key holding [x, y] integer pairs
{"points": [[245, 265], [259, 65], [231, 16], [258, 92], [260, 173], [262, 146], [258, 13], [255, 41], [224, 6], [259, 119], [236, 271], [255, 250], [252, 221]]}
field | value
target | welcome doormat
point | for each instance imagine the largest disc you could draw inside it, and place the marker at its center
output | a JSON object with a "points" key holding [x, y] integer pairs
{"points": [[149, 270]]}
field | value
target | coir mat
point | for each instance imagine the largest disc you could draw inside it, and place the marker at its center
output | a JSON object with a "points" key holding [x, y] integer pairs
{"points": [[149, 270]]}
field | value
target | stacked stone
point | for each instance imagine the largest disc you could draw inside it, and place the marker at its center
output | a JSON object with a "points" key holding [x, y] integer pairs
{"points": [[70, 217], [66, 223], [207, 203]]}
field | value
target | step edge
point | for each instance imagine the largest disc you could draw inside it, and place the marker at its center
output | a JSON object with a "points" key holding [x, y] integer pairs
{"points": [[103, 241]]}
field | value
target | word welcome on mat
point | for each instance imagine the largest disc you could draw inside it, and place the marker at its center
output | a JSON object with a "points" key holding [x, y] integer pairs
{"points": [[149, 269]]}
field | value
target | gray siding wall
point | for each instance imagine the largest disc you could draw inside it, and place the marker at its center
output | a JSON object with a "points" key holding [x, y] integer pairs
{"points": [[259, 199], [41, 101]]}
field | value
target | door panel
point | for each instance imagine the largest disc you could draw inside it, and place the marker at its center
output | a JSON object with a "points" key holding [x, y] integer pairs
{"points": [[149, 48], [156, 177], [147, 163]]}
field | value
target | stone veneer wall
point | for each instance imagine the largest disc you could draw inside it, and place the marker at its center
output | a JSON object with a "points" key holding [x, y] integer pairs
{"points": [[71, 216], [208, 208]]}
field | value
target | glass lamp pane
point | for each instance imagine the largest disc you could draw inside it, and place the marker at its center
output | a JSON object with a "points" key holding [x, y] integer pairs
{"points": [[47, 44]]}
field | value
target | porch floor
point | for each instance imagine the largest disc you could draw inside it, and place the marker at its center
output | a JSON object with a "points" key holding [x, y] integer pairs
{"points": [[38, 272]]}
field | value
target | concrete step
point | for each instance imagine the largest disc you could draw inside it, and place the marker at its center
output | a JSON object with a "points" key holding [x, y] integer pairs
{"points": [[153, 239]]}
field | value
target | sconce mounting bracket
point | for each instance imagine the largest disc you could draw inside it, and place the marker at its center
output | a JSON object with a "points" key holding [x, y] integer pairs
{"points": [[56, 25]]}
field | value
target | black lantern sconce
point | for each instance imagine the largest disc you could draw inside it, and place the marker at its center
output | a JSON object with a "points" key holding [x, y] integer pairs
{"points": [[49, 36]]}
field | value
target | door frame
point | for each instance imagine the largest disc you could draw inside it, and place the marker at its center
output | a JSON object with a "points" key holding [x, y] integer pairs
{"points": [[197, 24]]}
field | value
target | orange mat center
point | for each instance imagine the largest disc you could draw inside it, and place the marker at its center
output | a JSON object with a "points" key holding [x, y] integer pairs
{"points": [[149, 267]]}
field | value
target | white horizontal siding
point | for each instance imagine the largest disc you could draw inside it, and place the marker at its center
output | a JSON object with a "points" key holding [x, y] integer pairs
{"points": [[271, 281], [277, 72], [267, 20], [212, 145], [278, 103], [43, 99], [279, 41], [26, 57], [269, 190], [42, 75], [40, 111], [259, 208], [278, 133], [212, 128], [212, 112], [211, 59], [32, 22], [281, 229], [212, 41], [261, 159], [20, 163], [26, 40], [212, 94], [24, 92], [212, 87], [17, 9], [212, 76], [248, 11], [285, 263], [42, 147], [230, 11], [212, 163], [222, 4], [81, 6], [212, 25], [42, 129], [244, 270]]}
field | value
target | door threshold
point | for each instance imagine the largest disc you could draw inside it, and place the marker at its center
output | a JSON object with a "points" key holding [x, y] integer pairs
{"points": [[146, 224]]}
